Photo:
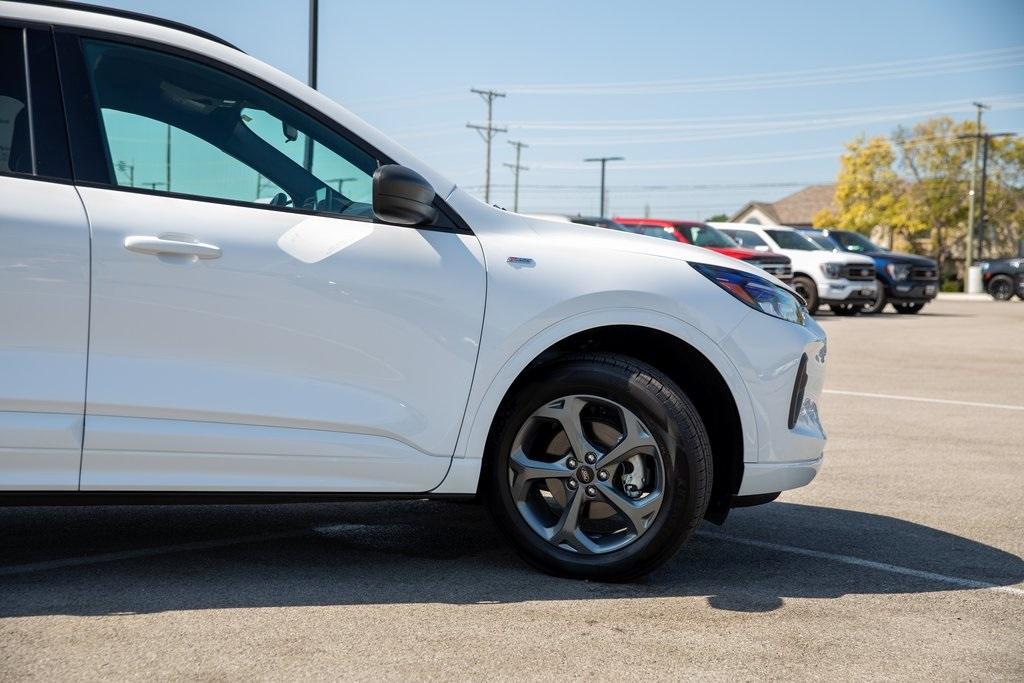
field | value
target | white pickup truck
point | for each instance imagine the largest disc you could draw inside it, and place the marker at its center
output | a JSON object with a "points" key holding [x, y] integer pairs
{"points": [[846, 282]]}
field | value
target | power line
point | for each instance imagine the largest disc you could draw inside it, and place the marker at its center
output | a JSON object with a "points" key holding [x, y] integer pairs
{"points": [[516, 168], [803, 117], [780, 128], [487, 132], [927, 66]]}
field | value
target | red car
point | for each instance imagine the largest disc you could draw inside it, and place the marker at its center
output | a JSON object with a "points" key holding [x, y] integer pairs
{"points": [[703, 235]]}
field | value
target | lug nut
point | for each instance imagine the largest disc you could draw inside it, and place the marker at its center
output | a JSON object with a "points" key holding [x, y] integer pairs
{"points": [[591, 458], [572, 484], [572, 463], [591, 491], [603, 475]]}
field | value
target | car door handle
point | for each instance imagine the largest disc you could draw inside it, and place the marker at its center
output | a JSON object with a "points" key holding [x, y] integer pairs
{"points": [[180, 245]]}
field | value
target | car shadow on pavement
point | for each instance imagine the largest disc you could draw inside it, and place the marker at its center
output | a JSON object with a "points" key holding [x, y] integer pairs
{"points": [[432, 552]]}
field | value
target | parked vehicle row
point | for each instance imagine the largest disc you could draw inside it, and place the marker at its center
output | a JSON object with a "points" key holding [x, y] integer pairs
{"points": [[906, 281], [838, 268], [292, 305]]}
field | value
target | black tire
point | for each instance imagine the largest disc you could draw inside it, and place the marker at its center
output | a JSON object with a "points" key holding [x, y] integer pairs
{"points": [[845, 309], [908, 309], [1000, 288], [806, 288], [881, 299], [672, 421]]}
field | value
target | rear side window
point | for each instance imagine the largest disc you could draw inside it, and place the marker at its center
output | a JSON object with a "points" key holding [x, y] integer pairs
{"points": [[15, 130]]}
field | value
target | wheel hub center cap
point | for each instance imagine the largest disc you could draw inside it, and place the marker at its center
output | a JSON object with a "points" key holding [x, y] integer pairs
{"points": [[585, 474]]}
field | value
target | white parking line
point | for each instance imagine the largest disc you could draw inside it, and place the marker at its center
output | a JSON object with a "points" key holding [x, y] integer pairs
{"points": [[894, 397], [859, 562], [146, 552]]}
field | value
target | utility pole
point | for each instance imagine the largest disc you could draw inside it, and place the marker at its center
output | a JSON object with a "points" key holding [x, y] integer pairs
{"points": [[314, 26], [516, 168], [487, 133], [982, 218], [970, 209], [125, 167], [604, 161]]}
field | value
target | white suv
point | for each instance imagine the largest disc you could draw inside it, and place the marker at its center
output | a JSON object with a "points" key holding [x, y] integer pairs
{"points": [[846, 282], [215, 281]]}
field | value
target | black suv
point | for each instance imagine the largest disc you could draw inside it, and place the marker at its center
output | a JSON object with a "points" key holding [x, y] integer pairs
{"points": [[1003, 277], [906, 281]]}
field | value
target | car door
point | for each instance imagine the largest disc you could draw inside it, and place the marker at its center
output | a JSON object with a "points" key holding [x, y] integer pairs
{"points": [[254, 328], [44, 275]]}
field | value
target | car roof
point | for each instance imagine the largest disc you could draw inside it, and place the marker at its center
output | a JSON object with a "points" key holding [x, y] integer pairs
{"points": [[645, 221], [128, 14]]}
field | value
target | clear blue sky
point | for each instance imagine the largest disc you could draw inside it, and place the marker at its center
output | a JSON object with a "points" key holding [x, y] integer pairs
{"points": [[751, 99]]}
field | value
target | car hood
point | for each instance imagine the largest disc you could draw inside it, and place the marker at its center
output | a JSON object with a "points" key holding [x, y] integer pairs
{"points": [[744, 254], [899, 257], [580, 238], [827, 257]]}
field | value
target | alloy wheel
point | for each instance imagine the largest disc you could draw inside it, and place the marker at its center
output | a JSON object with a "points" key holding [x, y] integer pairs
{"points": [[586, 475]]}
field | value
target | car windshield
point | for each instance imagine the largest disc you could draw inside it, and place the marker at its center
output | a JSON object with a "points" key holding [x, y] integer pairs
{"points": [[658, 231], [706, 236], [791, 239], [746, 238], [851, 241], [823, 241]]}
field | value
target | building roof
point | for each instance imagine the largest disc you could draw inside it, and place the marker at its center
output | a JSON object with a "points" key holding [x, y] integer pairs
{"points": [[795, 209]]}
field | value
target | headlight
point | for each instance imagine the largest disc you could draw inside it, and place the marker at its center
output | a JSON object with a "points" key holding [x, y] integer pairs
{"points": [[984, 265], [833, 271], [756, 292], [898, 271]]}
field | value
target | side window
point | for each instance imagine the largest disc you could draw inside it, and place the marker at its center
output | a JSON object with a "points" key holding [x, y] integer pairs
{"points": [[174, 125], [15, 144]]}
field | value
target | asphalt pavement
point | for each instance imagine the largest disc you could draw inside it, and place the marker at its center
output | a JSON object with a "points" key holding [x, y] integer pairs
{"points": [[901, 560]]}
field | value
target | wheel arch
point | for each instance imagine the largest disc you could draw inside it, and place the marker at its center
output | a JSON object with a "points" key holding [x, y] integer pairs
{"points": [[692, 360]]}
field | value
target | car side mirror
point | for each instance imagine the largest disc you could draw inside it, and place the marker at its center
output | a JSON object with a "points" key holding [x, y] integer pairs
{"points": [[402, 196]]}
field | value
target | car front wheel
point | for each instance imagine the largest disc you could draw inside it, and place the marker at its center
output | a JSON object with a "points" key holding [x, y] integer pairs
{"points": [[806, 288], [1001, 287], [878, 305], [908, 309], [598, 467]]}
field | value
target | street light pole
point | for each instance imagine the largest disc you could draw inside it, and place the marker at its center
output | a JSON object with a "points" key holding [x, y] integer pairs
{"points": [[314, 27], [969, 257], [604, 161]]}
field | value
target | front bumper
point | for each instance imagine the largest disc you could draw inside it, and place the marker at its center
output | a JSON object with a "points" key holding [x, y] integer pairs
{"points": [[913, 292], [774, 477], [848, 291], [768, 352]]}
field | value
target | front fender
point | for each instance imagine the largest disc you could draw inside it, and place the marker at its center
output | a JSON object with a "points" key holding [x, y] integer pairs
{"points": [[488, 392]]}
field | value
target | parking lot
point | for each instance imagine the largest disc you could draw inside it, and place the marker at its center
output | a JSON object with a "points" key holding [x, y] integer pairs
{"points": [[903, 559]]}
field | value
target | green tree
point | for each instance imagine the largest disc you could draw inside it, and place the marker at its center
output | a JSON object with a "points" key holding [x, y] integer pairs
{"points": [[913, 187], [718, 218], [869, 192]]}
